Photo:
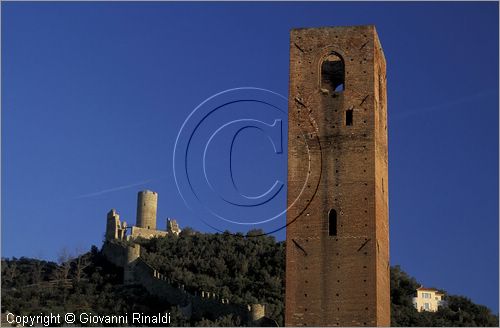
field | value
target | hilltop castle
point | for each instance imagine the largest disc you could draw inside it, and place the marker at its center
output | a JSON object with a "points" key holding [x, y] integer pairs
{"points": [[191, 302], [128, 257], [147, 204]]}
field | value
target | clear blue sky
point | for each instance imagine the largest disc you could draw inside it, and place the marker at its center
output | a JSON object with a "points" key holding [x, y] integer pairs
{"points": [[94, 94]]}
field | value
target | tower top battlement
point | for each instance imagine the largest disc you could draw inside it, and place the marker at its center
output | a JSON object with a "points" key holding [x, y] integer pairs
{"points": [[147, 191]]}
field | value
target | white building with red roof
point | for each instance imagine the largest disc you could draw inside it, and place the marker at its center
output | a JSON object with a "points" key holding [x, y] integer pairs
{"points": [[428, 299]]}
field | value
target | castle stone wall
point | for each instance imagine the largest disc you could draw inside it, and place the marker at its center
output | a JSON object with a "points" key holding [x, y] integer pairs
{"points": [[115, 253], [200, 304], [136, 232], [159, 286]]}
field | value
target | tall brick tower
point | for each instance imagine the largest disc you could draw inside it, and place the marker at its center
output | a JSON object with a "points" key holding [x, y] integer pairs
{"points": [[337, 254]]}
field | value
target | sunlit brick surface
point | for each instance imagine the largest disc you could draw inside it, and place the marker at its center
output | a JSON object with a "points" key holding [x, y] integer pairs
{"points": [[340, 279]]}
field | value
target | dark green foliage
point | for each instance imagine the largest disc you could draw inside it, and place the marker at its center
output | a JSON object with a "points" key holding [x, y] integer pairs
{"points": [[31, 287], [244, 269]]}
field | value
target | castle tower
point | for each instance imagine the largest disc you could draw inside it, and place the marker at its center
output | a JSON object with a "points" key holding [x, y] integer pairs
{"points": [[173, 227], [256, 312], [147, 202], [133, 252], [337, 254], [112, 225]]}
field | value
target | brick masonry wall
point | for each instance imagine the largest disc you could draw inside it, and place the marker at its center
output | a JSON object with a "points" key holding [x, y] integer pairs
{"points": [[340, 280]]}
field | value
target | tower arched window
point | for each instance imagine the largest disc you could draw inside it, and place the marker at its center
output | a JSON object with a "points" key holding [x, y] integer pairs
{"points": [[333, 74], [332, 222]]}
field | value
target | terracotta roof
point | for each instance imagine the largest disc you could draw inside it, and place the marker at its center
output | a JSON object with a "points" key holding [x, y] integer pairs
{"points": [[430, 289]]}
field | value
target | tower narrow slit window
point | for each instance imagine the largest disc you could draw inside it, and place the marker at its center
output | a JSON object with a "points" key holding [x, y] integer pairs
{"points": [[348, 117], [332, 222], [333, 74]]}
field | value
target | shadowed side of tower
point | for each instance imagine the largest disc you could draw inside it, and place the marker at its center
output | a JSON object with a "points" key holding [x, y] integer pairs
{"points": [[337, 255]]}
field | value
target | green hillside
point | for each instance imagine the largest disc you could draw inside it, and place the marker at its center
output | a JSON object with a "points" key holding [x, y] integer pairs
{"points": [[243, 269]]}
